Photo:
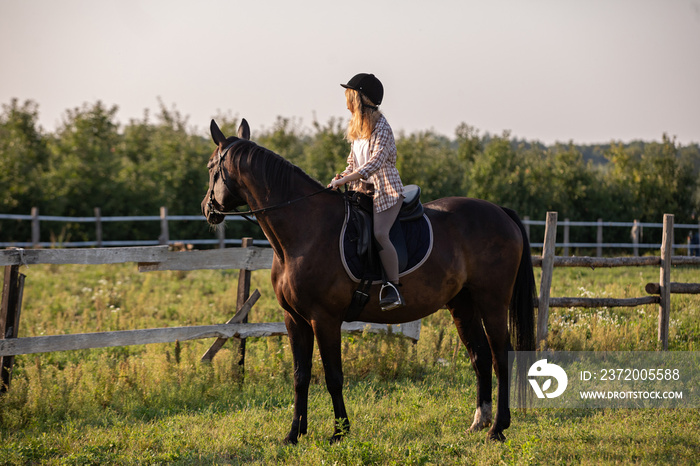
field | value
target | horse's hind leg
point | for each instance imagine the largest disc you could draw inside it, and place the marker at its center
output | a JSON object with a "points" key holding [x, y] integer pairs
{"points": [[496, 327], [301, 340], [471, 332]]}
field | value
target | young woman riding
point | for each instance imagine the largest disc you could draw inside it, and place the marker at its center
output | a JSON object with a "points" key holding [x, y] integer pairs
{"points": [[372, 169]]}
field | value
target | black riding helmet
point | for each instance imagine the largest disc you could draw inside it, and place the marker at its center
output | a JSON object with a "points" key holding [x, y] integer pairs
{"points": [[368, 85]]}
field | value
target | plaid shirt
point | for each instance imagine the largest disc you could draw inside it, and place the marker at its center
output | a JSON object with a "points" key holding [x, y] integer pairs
{"points": [[380, 169]]}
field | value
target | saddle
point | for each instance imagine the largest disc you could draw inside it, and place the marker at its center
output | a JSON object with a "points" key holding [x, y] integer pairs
{"points": [[411, 235], [361, 215]]}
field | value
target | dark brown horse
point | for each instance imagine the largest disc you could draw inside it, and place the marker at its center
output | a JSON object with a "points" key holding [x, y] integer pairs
{"points": [[479, 268]]}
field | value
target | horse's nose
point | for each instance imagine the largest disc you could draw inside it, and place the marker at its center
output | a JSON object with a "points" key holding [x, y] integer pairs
{"points": [[212, 217]]}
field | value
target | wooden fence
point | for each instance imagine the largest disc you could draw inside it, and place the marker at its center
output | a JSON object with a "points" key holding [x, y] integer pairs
{"points": [[635, 230], [99, 220], [149, 259], [253, 258], [164, 218], [661, 292]]}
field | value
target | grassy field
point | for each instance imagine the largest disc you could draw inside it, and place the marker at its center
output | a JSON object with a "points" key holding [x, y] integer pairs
{"points": [[408, 403]]}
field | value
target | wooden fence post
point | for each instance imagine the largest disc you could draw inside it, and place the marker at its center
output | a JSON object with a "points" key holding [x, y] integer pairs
{"points": [[636, 233], [243, 295], [164, 237], [665, 280], [98, 226], [221, 236], [693, 247], [566, 237], [599, 239], [526, 222], [36, 237], [12, 288], [548, 252]]}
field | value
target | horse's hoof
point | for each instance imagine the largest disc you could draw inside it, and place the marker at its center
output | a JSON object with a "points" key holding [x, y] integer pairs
{"points": [[474, 428], [482, 418], [342, 428], [497, 436], [479, 425], [337, 437], [290, 440]]}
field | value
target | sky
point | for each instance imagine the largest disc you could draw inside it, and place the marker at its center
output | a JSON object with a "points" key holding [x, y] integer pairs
{"points": [[582, 71]]}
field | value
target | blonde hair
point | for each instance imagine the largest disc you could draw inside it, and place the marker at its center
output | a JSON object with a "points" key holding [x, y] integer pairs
{"points": [[364, 117]]}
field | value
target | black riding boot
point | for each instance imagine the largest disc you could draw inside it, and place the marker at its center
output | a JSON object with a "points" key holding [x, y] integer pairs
{"points": [[390, 297]]}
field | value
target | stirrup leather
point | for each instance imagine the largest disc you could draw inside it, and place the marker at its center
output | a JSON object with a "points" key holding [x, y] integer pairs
{"points": [[392, 300]]}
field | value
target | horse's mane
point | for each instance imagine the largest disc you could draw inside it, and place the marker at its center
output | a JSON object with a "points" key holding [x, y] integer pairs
{"points": [[276, 172]]}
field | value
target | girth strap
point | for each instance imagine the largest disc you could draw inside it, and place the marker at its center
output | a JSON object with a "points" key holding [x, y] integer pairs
{"points": [[359, 300]]}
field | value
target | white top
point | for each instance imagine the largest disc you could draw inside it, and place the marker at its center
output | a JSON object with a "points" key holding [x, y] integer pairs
{"points": [[360, 149]]}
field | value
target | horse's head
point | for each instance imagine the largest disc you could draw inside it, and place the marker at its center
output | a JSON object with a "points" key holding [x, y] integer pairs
{"points": [[223, 194]]}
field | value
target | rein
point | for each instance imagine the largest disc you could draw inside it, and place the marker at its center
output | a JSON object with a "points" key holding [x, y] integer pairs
{"points": [[272, 207], [246, 215]]}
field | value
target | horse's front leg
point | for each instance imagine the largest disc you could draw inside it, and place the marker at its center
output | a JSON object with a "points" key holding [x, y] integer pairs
{"points": [[301, 340], [328, 337]]}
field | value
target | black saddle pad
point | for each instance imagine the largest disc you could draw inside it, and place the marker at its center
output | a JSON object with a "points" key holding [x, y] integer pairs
{"points": [[419, 243]]}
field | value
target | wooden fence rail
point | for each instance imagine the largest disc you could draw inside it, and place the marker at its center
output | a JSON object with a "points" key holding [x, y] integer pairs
{"points": [[51, 343]]}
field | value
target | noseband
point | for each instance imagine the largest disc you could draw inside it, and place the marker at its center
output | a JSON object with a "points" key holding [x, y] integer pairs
{"points": [[222, 174]]}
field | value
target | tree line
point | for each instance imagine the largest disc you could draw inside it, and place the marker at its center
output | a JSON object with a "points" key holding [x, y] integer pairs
{"points": [[91, 160]]}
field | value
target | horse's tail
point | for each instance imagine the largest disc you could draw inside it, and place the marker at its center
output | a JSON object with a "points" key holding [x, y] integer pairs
{"points": [[522, 311]]}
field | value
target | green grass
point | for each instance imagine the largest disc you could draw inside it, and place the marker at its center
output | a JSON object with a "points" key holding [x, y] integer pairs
{"points": [[408, 404]]}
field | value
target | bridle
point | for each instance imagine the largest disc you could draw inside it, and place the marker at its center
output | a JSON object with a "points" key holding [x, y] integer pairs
{"points": [[224, 179], [222, 174]]}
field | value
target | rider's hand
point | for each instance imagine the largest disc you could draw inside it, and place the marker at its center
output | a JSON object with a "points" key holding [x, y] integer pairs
{"points": [[336, 183]]}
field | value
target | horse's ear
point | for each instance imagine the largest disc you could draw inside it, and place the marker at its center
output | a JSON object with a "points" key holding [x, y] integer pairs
{"points": [[216, 134], [244, 130]]}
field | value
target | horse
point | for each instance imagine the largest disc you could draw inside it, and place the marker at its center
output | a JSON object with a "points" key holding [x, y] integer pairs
{"points": [[480, 268]]}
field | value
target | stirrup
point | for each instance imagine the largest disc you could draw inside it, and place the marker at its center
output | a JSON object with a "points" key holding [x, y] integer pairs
{"points": [[393, 298]]}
